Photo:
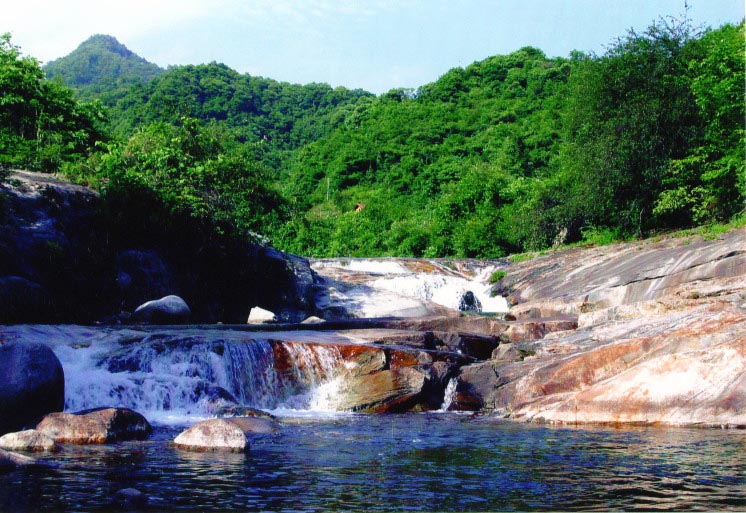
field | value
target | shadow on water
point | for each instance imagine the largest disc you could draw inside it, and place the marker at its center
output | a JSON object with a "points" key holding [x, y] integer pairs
{"points": [[418, 462]]}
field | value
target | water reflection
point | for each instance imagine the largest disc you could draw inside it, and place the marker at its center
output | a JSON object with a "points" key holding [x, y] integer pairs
{"points": [[403, 462]]}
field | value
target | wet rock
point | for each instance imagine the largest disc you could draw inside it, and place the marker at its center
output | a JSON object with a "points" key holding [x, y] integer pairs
{"points": [[32, 385], [259, 315], [167, 310], [242, 411], [97, 426], [257, 425], [362, 360], [383, 391], [313, 320], [130, 498], [213, 435], [468, 302], [29, 440]]}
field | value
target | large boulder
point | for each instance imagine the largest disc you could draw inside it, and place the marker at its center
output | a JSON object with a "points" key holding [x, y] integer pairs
{"points": [[97, 426], [383, 391], [259, 315], [167, 310], [25, 301], [29, 440], [214, 435], [142, 274], [32, 385]]}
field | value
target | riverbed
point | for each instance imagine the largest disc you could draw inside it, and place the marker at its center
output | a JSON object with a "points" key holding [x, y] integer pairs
{"points": [[407, 462]]}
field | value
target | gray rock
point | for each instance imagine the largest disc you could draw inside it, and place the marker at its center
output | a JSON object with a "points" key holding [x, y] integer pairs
{"points": [[506, 353], [33, 385], [259, 315], [213, 435], [167, 310], [29, 440]]}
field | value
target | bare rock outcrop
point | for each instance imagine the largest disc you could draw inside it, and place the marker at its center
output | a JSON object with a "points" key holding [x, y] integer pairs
{"points": [[661, 338]]}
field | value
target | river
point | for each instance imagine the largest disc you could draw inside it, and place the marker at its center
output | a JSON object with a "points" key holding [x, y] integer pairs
{"points": [[407, 462]]}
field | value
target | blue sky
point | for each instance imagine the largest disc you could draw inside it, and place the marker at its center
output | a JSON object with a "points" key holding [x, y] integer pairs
{"points": [[376, 45]]}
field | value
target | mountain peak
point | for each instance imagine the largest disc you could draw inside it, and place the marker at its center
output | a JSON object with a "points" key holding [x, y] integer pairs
{"points": [[101, 62], [107, 43]]}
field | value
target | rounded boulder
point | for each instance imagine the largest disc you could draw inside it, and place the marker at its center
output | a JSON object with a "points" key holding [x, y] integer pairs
{"points": [[98, 426], [213, 435], [32, 385], [167, 310]]}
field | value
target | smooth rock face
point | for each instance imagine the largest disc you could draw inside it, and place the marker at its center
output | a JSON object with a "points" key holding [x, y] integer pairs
{"points": [[213, 435], [259, 315], [28, 440], [383, 391], [98, 426], [32, 384], [167, 310], [664, 343]]}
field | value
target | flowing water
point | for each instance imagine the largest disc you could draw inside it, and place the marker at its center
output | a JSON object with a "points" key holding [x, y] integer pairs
{"points": [[325, 460], [415, 462]]}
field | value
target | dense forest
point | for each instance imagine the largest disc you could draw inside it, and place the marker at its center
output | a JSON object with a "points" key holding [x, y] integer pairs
{"points": [[513, 153]]}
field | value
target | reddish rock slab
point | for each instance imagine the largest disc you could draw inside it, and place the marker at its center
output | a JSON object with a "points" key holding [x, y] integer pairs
{"points": [[98, 426]]}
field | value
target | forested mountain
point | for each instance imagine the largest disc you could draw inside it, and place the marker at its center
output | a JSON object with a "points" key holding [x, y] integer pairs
{"points": [[101, 67], [512, 153]]}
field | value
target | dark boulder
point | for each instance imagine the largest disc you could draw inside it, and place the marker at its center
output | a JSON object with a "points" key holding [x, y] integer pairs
{"points": [[142, 274], [167, 310], [130, 498], [32, 385], [97, 426], [468, 302], [25, 301]]}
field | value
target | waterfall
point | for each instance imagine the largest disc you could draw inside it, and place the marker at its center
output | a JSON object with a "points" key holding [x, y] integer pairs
{"points": [[450, 394], [169, 378]]}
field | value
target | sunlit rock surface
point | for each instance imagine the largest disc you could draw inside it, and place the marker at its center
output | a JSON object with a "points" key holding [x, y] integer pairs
{"points": [[662, 337], [97, 426]]}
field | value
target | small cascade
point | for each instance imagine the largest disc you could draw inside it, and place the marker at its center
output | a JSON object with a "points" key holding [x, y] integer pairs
{"points": [[168, 378], [450, 394]]}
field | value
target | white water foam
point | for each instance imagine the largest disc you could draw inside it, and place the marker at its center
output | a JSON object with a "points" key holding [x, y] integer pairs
{"points": [[177, 379], [444, 290]]}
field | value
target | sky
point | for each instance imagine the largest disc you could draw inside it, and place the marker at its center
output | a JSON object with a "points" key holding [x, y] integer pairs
{"points": [[376, 45]]}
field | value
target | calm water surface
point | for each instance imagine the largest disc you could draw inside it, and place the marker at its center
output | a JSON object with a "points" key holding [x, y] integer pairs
{"points": [[411, 462]]}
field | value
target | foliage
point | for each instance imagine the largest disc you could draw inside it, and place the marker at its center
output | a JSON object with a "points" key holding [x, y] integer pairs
{"points": [[41, 125], [102, 68], [497, 276], [511, 154]]}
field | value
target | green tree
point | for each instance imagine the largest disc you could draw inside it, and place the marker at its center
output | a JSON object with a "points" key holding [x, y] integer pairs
{"points": [[41, 124]]}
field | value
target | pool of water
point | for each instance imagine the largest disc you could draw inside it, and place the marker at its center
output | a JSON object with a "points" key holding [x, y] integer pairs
{"points": [[415, 462]]}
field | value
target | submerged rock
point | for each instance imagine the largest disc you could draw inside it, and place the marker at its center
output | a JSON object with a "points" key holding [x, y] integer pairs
{"points": [[167, 310], [29, 440], [130, 498], [10, 460], [97, 426], [32, 384]]}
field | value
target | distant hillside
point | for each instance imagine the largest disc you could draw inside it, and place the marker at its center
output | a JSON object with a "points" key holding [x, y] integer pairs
{"points": [[102, 67]]}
